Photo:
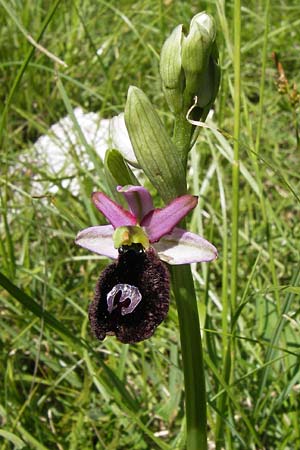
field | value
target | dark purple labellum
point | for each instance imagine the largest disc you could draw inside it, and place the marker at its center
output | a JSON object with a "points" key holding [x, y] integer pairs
{"points": [[131, 296]]}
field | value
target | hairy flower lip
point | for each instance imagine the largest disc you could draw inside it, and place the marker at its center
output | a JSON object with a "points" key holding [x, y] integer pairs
{"points": [[146, 276], [173, 245]]}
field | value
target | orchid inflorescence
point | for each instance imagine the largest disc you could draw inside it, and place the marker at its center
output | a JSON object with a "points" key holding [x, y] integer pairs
{"points": [[132, 294]]}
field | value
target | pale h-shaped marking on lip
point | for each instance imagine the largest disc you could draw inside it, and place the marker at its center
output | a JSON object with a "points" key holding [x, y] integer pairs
{"points": [[127, 292]]}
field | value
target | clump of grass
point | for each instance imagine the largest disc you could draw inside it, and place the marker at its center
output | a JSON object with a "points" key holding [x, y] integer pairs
{"points": [[61, 388]]}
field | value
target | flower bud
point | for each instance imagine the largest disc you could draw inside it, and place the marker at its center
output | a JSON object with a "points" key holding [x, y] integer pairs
{"points": [[208, 83], [189, 66], [171, 71], [196, 50]]}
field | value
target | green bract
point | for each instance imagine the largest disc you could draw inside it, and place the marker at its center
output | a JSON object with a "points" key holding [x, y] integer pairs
{"points": [[154, 150], [117, 172]]}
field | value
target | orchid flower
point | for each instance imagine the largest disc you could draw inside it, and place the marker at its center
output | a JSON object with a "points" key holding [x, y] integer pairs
{"points": [[132, 294]]}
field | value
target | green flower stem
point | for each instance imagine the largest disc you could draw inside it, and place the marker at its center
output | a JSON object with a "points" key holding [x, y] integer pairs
{"points": [[190, 336], [191, 349], [182, 136]]}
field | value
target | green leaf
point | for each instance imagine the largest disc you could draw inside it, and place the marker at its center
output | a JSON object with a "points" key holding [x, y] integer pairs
{"points": [[11, 437], [30, 304], [278, 329]]}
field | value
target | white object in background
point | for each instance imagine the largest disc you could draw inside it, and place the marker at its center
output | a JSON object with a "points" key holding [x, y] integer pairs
{"points": [[52, 153]]}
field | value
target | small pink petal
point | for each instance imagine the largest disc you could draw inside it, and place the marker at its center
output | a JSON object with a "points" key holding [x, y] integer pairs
{"points": [[183, 247], [159, 222], [138, 199], [98, 240], [114, 213]]}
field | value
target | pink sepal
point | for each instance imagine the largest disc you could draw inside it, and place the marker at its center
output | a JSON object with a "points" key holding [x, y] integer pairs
{"points": [[159, 222], [139, 200], [114, 213]]}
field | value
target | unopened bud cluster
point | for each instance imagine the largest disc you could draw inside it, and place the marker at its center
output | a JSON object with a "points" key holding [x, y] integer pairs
{"points": [[189, 65]]}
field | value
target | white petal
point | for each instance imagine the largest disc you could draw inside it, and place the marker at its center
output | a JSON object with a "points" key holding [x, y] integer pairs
{"points": [[98, 240], [183, 247]]}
